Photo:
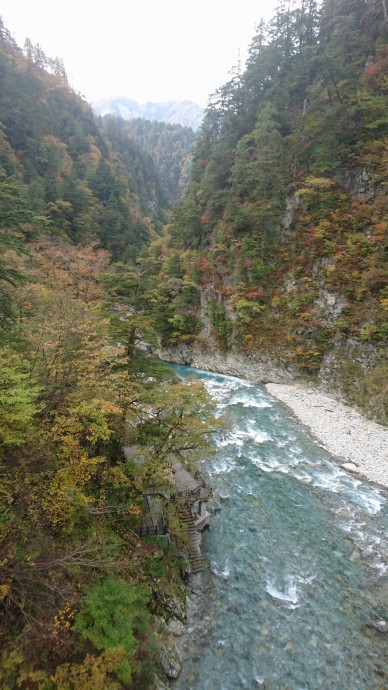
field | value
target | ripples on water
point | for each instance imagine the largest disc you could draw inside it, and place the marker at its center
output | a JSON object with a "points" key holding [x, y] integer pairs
{"points": [[297, 560]]}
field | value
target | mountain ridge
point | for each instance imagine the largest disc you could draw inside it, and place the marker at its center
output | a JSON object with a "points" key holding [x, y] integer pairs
{"points": [[179, 112]]}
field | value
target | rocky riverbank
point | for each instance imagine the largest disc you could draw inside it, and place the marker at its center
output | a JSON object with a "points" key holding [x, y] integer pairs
{"points": [[258, 367], [360, 444]]}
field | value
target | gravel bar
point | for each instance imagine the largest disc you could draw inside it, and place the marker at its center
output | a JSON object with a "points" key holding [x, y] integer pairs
{"points": [[361, 445]]}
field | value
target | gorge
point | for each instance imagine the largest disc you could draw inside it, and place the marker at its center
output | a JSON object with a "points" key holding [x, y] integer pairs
{"points": [[251, 253]]}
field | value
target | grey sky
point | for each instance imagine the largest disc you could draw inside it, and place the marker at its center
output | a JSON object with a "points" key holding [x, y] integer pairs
{"points": [[149, 49]]}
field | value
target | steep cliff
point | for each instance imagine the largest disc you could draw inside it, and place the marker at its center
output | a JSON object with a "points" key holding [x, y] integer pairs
{"points": [[278, 248]]}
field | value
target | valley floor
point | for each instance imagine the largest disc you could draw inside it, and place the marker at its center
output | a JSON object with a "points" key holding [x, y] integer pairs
{"points": [[344, 432]]}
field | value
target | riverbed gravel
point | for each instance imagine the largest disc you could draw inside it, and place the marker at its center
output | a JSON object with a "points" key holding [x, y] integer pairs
{"points": [[360, 444]]}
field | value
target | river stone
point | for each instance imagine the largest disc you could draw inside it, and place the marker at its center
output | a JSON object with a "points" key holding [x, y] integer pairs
{"points": [[175, 627], [169, 658], [350, 467], [355, 555], [381, 626]]}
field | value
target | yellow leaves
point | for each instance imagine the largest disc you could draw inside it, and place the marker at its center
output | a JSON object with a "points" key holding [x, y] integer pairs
{"points": [[315, 184], [134, 510], [246, 310], [183, 337], [4, 591], [367, 331], [115, 477], [94, 673], [308, 282], [305, 316], [240, 304], [93, 418], [66, 492], [64, 618], [175, 420]]}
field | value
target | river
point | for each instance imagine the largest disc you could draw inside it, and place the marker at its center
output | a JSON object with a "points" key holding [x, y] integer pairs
{"points": [[296, 558]]}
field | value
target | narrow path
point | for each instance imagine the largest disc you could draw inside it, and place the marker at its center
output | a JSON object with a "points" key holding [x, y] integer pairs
{"points": [[195, 556]]}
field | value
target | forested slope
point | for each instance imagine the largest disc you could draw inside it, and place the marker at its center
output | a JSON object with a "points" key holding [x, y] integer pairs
{"points": [[72, 174], [78, 588], [169, 145], [279, 245]]}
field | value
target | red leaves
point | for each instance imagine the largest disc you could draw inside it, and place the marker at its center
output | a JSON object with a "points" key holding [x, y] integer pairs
{"points": [[254, 293], [206, 265]]}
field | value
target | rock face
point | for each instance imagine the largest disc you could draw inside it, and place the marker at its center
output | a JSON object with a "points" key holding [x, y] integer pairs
{"points": [[169, 658], [159, 684], [258, 367], [173, 606], [175, 627], [331, 305]]}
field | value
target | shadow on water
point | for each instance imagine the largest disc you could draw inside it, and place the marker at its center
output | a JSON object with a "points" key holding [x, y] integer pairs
{"points": [[296, 560]]}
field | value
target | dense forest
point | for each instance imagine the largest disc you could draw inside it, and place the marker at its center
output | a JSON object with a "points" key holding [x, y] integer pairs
{"points": [[169, 145], [279, 244], [78, 588]]}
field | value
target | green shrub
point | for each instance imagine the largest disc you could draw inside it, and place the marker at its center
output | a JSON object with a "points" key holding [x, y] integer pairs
{"points": [[112, 614]]}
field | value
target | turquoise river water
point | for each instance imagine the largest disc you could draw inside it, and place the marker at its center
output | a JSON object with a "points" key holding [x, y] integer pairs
{"points": [[296, 558]]}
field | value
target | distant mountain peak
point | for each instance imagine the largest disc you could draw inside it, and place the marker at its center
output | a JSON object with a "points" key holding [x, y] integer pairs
{"points": [[183, 112]]}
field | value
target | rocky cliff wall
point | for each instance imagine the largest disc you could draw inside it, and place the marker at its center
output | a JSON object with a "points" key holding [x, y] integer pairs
{"points": [[258, 367]]}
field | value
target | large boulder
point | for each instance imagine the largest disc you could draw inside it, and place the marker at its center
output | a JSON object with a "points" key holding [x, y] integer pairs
{"points": [[169, 657]]}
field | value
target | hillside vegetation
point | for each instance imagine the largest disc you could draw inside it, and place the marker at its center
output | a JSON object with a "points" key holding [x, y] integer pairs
{"points": [[279, 245], [78, 589], [169, 145]]}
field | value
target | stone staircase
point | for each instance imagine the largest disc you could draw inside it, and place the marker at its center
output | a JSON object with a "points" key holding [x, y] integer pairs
{"points": [[195, 556]]}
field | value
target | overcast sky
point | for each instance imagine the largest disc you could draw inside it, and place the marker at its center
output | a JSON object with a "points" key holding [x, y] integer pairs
{"points": [[153, 50]]}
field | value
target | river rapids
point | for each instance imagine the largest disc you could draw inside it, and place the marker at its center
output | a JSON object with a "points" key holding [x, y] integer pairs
{"points": [[296, 558]]}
